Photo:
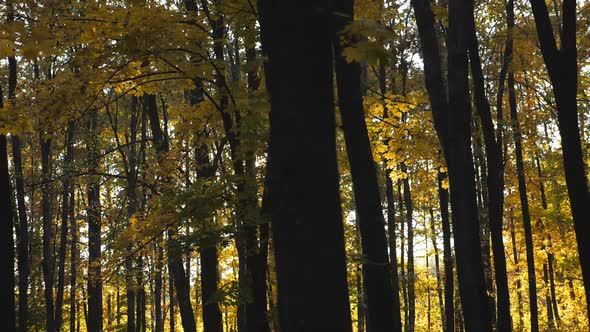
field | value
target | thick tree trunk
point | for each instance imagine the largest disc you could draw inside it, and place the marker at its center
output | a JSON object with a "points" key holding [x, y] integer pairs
{"points": [[526, 217], [94, 322], [563, 71], [307, 226], [212, 318], [22, 236], [495, 183], [476, 311], [6, 213], [376, 275]]}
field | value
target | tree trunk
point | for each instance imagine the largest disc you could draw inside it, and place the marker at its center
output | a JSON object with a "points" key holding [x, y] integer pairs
{"points": [[376, 275], [526, 217], [63, 241], [495, 175], [307, 226], [443, 196], [517, 273], [411, 278], [74, 256], [175, 265], [132, 173], [476, 311], [159, 327], [48, 236], [95, 323], [433, 237], [563, 71], [6, 213]]}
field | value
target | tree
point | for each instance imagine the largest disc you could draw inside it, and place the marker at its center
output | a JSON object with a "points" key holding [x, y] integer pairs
{"points": [[307, 226], [562, 66]]}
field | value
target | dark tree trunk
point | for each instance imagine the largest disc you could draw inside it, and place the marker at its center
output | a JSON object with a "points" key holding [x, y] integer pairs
{"points": [[63, 241], [6, 213], [175, 265], [307, 226], [517, 272], [452, 123], [526, 216], [159, 323], [411, 278], [22, 243], [443, 196], [391, 235], [94, 229], [22, 235], [563, 71], [439, 293], [376, 275], [476, 311], [495, 177], [212, 318], [171, 301], [48, 236], [404, 279], [74, 255], [132, 173]]}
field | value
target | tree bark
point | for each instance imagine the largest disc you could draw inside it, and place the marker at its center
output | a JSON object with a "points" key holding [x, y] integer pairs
{"points": [[476, 311], [307, 226], [495, 177], [526, 217], [411, 278], [94, 321], [48, 235], [563, 72], [63, 241], [443, 197], [6, 213], [381, 313], [175, 265]]}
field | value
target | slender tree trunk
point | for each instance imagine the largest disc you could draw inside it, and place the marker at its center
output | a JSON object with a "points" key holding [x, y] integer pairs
{"points": [[175, 265], [410, 276], [159, 327], [132, 172], [95, 323], [392, 248], [171, 301], [376, 275], [443, 196], [307, 226], [48, 236], [526, 217], [433, 238], [403, 277], [517, 272], [74, 258], [63, 241]]}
